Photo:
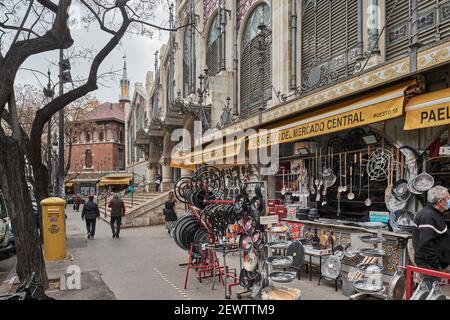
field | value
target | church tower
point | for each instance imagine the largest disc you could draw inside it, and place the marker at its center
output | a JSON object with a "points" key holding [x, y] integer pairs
{"points": [[124, 84]]}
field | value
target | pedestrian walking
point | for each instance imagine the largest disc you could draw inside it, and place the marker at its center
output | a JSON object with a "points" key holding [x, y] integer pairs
{"points": [[430, 235], [169, 212], [117, 212], [77, 202], [157, 181], [90, 213]]}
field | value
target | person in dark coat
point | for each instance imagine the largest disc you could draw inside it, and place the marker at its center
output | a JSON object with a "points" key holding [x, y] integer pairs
{"points": [[169, 212], [117, 213], [431, 237], [77, 202], [90, 213], [157, 182]]}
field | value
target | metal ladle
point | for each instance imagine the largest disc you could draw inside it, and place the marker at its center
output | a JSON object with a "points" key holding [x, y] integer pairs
{"points": [[368, 201], [351, 195]]}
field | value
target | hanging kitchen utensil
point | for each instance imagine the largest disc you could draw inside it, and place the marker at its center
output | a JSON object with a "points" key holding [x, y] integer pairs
{"points": [[397, 285], [360, 174], [424, 181], [378, 164], [283, 189], [340, 175], [392, 204], [400, 188], [344, 187], [351, 195], [368, 201], [316, 181]]}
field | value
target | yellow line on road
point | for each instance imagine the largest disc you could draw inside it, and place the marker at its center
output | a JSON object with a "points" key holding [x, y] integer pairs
{"points": [[180, 291]]}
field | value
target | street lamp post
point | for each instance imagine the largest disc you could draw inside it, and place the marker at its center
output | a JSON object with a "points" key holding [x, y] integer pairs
{"points": [[64, 77], [48, 94]]}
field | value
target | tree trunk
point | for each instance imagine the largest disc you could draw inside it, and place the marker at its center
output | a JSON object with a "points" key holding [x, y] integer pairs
{"points": [[13, 183]]}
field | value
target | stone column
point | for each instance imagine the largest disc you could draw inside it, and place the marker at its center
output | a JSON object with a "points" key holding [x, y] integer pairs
{"points": [[167, 176], [153, 161], [152, 170]]}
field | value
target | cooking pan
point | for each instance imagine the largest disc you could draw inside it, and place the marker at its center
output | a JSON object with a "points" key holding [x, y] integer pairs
{"points": [[424, 181], [331, 267], [397, 286], [393, 204], [297, 251]]}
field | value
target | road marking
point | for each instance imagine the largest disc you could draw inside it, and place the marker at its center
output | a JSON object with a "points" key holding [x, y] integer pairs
{"points": [[180, 291]]}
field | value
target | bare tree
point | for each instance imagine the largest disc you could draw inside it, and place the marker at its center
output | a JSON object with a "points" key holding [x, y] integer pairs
{"points": [[28, 28]]}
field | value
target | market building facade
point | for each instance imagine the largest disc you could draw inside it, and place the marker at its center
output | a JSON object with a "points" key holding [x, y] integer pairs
{"points": [[359, 87]]}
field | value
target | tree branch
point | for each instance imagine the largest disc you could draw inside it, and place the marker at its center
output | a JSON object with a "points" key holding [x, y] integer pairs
{"points": [[49, 5], [23, 22], [159, 27]]}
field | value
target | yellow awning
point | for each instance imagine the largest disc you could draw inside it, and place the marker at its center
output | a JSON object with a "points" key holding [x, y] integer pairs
{"points": [[428, 110], [213, 154], [375, 107], [119, 181]]}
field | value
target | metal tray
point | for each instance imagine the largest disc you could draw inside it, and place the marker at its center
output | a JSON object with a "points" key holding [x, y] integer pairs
{"points": [[361, 286], [280, 261], [282, 277], [372, 239], [371, 252], [370, 268]]}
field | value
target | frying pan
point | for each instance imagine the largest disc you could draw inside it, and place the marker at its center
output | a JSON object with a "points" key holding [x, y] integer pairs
{"points": [[400, 190], [397, 286]]}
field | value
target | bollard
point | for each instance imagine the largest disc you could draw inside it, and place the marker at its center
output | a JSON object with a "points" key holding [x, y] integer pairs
{"points": [[54, 228]]}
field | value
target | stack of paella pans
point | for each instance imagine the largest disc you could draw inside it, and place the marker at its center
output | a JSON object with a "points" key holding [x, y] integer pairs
{"points": [[188, 231]]}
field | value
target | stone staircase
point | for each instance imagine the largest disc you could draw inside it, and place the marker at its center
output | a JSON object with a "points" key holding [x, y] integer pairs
{"points": [[147, 209]]}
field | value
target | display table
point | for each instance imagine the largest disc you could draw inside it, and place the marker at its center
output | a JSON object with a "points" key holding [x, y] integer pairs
{"points": [[395, 246]]}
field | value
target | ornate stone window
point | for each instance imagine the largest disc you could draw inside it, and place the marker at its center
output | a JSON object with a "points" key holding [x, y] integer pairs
{"points": [[329, 41], [212, 48], [256, 48], [101, 136]]}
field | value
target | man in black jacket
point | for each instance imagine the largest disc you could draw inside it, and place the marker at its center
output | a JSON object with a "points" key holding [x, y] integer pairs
{"points": [[90, 213], [431, 238]]}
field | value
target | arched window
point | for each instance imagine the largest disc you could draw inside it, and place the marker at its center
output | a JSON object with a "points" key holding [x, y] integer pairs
{"points": [[121, 137], [256, 49], [189, 61], [212, 48], [101, 136], [329, 41], [88, 136], [88, 158]]}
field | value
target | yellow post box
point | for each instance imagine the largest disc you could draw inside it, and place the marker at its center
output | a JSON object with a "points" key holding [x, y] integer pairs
{"points": [[54, 228]]}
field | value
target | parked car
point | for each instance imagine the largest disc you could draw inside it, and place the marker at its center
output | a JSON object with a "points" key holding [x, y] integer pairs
{"points": [[7, 243]]}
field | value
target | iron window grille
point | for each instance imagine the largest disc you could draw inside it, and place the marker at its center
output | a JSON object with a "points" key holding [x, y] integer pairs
{"points": [[250, 91]]}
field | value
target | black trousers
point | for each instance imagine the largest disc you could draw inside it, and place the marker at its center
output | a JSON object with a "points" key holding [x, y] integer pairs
{"points": [[90, 226], [117, 221]]}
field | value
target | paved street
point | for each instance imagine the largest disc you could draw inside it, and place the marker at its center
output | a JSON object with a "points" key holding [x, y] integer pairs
{"points": [[143, 264]]}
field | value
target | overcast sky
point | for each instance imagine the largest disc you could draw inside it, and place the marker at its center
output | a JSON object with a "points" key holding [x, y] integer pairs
{"points": [[139, 51]]}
